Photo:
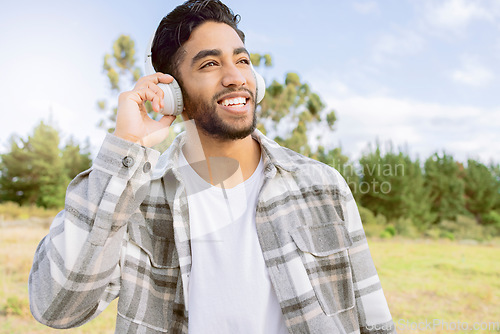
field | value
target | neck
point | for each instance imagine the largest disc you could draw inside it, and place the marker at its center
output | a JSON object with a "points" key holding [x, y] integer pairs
{"points": [[222, 163]]}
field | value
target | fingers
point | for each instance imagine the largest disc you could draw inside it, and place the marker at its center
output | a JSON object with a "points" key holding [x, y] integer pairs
{"points": [[158, 94], [133, 122], [167, 120], [153, 94], [148, 84], [156, 78], [165, 78]]}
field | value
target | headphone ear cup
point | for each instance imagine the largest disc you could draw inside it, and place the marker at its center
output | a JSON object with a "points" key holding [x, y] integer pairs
{"points": [[260, 85], [174, 104]]}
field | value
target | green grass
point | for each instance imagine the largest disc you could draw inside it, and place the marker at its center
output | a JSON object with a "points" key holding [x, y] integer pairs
{"points": [[442, 280], [422, 280], [13, 211], [17, 247]]}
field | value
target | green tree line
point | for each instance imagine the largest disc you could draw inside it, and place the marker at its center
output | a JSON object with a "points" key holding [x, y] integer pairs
{"points": [[37, 169], [437, 197]]}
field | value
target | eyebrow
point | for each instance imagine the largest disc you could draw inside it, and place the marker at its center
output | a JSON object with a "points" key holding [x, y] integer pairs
{"points": [[240, 50], [216, 52]]}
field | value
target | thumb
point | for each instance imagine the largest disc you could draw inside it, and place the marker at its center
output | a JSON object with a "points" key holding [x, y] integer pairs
{"points": [[166, 120]]}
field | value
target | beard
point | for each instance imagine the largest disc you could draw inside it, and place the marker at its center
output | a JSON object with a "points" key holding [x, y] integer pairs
{"points": [[206, 118]]}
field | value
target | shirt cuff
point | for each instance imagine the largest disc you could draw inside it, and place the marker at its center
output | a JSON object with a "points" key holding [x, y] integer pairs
{"points": [[123, 158]]}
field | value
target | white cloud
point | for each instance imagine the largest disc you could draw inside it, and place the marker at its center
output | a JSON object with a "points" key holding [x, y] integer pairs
{"points": [[455, 14], [425, 128], [366, 7], [398, 43], [472, 73], [338, 87], [443, 18]]}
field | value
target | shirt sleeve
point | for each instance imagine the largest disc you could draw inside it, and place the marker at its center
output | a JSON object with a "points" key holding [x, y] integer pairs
{"points": [[76, 267], [373, 312]]}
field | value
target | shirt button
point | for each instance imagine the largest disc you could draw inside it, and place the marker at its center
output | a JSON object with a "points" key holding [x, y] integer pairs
{"points": [[128, 161], [147, 167]]}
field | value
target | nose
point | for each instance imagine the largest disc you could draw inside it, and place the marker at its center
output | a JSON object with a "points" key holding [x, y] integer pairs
{"points": [[233, 76]]}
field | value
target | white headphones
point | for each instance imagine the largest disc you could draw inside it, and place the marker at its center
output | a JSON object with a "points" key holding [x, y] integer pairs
{"points": [[173, 95]]}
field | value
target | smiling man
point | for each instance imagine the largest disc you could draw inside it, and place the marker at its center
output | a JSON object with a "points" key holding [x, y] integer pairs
{"points": [[226, 232]]}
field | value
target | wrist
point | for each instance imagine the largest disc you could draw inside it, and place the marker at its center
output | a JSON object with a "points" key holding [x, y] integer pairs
{"points": [[127, 137]]}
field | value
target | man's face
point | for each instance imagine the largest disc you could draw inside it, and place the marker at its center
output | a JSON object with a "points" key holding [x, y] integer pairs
{"points": [[218, 84]]}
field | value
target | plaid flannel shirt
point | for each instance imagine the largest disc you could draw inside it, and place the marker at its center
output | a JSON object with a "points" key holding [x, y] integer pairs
{"points": [[124, 233]]}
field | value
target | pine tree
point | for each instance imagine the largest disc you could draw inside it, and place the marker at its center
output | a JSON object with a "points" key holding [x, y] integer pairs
{"points": [[442, 178], [76, 159], [34, 171], [481, 189], [18, 181], [393, 185]]}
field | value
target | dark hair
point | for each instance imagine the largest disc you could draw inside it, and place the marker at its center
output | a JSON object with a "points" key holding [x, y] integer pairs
{"points": [[175, 28]]}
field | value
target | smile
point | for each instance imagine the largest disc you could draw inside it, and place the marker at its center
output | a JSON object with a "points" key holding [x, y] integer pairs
{"points": [[237, 101]]}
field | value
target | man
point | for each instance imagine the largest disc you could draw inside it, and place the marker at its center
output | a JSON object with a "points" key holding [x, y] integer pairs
{"points": [[228, 233]]}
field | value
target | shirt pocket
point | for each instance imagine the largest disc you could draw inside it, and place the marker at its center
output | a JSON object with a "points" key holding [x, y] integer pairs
{"points": [[150, 280], [323, 250], [160, 247]]}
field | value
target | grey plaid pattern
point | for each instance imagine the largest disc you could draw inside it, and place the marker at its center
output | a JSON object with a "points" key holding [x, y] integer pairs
{"points": [[125, 233]]}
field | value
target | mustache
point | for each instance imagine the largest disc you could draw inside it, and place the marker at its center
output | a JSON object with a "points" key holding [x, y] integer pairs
{"points": [[225, 91]]}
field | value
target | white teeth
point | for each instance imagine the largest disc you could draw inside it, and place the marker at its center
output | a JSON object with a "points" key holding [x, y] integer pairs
{"points": [[234, 101]]}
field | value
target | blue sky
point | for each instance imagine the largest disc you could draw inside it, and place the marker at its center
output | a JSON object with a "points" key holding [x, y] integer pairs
{"points": [[421, 73]]}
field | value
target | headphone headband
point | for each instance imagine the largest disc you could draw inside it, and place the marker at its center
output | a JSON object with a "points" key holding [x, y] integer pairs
{"points": [[148, 57]]}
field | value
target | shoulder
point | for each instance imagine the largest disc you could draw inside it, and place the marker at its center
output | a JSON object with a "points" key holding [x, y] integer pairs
{"points": [[301, 167], [316, 171]]}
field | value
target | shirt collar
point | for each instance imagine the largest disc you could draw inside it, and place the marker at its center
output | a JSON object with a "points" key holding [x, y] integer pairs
{"points": [[274, 156]]}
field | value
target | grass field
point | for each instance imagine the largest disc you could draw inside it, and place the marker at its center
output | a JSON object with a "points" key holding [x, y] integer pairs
{"points": [[431, 286]]}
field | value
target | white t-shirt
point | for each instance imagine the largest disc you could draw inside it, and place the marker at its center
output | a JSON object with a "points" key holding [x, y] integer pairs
{"points": [[229, 288]]}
